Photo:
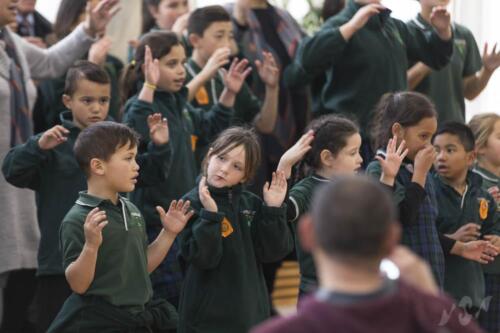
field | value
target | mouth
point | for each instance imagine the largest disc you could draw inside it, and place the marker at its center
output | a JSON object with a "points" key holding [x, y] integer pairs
{"points": [[442, 168], [95, 119], [134, 179], [180, 82]]}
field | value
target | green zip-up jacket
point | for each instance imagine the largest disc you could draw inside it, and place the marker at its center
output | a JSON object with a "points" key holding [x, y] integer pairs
{"points": [[299, 201], [224, 289], [373, 62], [184, 121], [56, 178], [464, 278]]}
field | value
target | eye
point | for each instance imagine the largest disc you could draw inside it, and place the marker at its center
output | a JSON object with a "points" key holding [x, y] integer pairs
{"points": [[221, 157], [86, 100], [104, 100], [237, 167]]}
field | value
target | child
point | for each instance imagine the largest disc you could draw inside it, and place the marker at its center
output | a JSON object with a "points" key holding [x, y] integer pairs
{"points": [[47, 165], [352, 228], [168, 15], [464, 77], [365, 53], [232, 233], [334, 152], [159, 63], [412, 118], [106, 257], [486, 129], [211, 34], [466, 211]]}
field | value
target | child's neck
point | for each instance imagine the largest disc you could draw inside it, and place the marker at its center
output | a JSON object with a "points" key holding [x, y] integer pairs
{"points": [[325, 173], [348, 278], [198, 59], [459, 184], [101, 190], [489, 167]]}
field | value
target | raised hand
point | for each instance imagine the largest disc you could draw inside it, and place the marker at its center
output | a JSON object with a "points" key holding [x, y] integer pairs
{"points": [[158, 129], [151, 67], [491, 61], [98, 17], [441, 21], [180, 24], [481, 251], [92, 228], [275, 192], [234, 78], [392, 161], [99, 50], [53, 137], [206, 199], [466, 233], [362, 16], [177, 216], [219, 58], [293, 155], [268, 71]]}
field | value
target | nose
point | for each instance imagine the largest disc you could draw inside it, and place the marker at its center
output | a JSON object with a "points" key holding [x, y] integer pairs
{"points": [[136, 166], [360, 159]]}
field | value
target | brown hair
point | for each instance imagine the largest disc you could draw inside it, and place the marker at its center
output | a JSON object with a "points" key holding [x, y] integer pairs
{"points": [[102, 140], [232, 138], [482, 125], [84, 70]]}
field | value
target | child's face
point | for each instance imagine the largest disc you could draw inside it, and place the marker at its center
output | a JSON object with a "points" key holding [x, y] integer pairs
{"points": [[452, 161], [491, 152], [26, 6], [216, 36], [434, 3], [168, 11], [226, 169], [121, 170], [348, 160], [172, 71], [417, 137], [89, 104]]}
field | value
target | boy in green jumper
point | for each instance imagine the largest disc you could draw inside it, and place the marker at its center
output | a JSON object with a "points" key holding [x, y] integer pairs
{"points": [[466, 212], [464, 77], [106, 256], [365, 54], [47, 165], [211, 34]]}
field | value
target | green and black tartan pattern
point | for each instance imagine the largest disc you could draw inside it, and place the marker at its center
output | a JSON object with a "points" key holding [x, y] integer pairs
{"points": [[490, 316]]}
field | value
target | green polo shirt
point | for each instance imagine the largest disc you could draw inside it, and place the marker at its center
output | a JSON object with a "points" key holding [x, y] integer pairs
{"points": [[445, 87], [121, 275]]}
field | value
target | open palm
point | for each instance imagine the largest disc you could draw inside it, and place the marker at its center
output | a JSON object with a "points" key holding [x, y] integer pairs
{"points": [[177, 216], [236, 75], [275, 192]]}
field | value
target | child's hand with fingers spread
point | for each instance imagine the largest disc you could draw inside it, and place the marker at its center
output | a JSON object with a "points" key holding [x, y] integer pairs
{"points": [[392, 161], [206, 199], [53, 137], [491, 61], [293, 155], [268, 70], [234, 78], [275, 192], [94, 223], [158, 129], [177, 216]]}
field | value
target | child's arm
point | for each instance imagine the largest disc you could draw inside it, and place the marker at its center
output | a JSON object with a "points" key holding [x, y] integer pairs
{"points": [[273, 239], [392, 161], [416, 74], [80, 273], [151, 76], [295, 153], [173, 222], [218, 59], [22, 165], [475, 84], [269, 74]]}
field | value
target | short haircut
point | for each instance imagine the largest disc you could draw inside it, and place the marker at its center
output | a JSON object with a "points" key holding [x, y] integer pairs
{"points": [[84, 70], [201, 18], [101, 140], [352, 218], [461, 131], [232, 138]]}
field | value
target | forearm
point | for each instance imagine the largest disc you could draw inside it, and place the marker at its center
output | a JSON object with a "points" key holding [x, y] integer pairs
{"points": [[266, 119], [80, 273], [227, 98], [158, 249], [147, 93], [475, 84], [416, 74]]}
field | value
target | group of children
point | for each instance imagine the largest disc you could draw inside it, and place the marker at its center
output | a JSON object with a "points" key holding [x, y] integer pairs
{"points": [[108, 241]]}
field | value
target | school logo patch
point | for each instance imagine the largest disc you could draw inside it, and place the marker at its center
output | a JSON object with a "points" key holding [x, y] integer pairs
{"points": [[136, 219], [483, 208], [460, 44], [248, 216], [202, 96], [226, 228]]}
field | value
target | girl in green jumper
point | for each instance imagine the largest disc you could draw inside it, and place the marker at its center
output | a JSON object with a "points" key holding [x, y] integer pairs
{"points": [[232, 233]]}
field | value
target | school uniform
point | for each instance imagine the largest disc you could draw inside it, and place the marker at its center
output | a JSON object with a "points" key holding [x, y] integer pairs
{"points": [[464, 278], [445, 87], [373, 62], [298, 203], [246, 105], [121, 286], [186, 124], [224, 289], [56, 178], [490, 319], [420, 211]]}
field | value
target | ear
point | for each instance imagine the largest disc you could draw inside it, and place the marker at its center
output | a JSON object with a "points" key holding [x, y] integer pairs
{"points": [[471, 158], [398, 130], [194, 39], [326, 157], [392, 239], [97, 167], [66, 99], [306, 233]]}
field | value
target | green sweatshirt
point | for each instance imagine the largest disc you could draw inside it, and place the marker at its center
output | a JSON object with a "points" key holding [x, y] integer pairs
{"points": [[464, 278], [224, 289], [373, 62], [56, 178]]}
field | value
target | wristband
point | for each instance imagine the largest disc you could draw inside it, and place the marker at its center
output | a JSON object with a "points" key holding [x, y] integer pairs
{"points": [[150, 85]]}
